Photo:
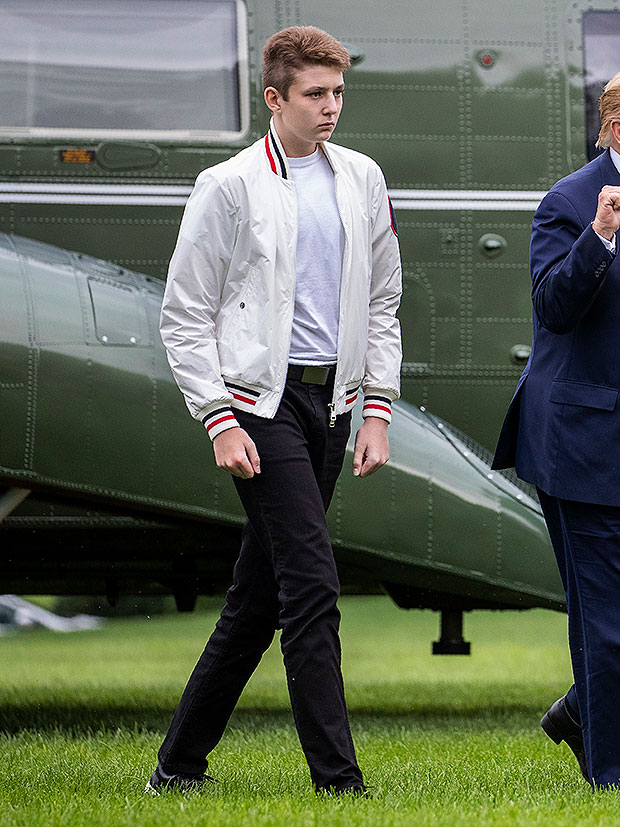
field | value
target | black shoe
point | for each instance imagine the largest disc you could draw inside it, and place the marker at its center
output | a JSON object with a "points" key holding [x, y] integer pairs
{"points": [[161, 781], [560, 725]]}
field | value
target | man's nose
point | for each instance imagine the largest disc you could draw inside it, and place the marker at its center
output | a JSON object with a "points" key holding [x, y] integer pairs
{"points": [[331, 104]]}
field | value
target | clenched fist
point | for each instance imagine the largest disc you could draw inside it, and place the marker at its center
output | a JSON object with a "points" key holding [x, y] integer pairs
{"points": [[236, 452], [607, 219]]}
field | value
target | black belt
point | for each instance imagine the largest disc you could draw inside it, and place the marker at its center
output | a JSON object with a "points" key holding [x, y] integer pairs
{"points": [[312, 374]]}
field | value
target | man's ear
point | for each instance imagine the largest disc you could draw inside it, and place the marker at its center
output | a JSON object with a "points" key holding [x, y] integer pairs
{"points": [[272, 99], [615, 131]]}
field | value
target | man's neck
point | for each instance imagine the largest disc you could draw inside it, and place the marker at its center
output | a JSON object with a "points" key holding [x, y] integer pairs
{"points": [[293, 148], [297, 151]]}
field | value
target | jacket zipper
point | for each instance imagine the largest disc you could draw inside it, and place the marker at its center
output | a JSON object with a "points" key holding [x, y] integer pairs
{"points": [[291, 184], [332, 414], [332, 405]]}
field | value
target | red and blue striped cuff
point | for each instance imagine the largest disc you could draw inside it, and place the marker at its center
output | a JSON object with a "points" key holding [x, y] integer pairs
{"points": [[377, 405], [218, 420]]}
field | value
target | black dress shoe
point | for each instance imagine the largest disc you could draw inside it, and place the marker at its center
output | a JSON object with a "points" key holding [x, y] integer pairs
{"points": [[560, 725], [179, 783]]}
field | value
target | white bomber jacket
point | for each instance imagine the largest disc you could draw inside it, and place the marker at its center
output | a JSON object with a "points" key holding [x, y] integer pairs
{"points": [[227, 313]]}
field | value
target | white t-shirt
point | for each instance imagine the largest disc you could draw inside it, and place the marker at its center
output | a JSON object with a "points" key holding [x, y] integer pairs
{"points": [[320, 244]]}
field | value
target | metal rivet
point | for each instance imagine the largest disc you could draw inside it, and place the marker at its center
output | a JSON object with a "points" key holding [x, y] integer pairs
{"points": [[133, 340], [104, 338]]}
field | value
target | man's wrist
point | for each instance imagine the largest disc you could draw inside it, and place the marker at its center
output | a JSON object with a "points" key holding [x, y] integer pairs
{"points": [[603, 232], [375, 420]]}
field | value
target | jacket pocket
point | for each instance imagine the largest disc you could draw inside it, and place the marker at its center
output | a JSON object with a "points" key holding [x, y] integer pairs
{"points": [[581, 393], [242, 303]]}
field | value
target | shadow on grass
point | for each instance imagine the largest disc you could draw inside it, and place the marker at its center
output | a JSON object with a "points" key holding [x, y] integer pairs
{"points": [[422, 707]]}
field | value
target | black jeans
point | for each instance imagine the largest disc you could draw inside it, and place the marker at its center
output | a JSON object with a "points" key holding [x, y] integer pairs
{"points": [[285, 578]]}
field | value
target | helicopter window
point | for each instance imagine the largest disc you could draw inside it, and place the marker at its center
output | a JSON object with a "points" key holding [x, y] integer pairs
{"points": [[601, 38], [124, 68]]}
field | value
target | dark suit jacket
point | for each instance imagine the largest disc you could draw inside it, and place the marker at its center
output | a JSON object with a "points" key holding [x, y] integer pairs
{"points": [[562, 429]]}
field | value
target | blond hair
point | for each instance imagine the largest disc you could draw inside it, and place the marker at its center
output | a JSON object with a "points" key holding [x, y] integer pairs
{"points": [[609, 107], [296, 47]]}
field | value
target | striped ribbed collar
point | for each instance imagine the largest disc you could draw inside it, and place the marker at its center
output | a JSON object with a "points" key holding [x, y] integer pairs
{"points": [[276, 156]]}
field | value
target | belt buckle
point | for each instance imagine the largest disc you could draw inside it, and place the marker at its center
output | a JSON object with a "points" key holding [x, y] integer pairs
{"points": [[315, 374]]}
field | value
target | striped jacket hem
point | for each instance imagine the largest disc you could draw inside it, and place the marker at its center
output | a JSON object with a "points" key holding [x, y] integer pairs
{"points": [[377, 405], [220, 419]]}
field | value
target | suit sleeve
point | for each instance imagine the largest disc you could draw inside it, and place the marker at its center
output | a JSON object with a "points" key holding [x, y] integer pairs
{"points": [[568, 263], [191, 303], [381, 383]]}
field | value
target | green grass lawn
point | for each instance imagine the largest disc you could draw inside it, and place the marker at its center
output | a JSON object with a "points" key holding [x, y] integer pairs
{"points": [[441, 740]]}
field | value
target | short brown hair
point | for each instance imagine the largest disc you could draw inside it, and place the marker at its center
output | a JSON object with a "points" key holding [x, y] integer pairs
{"points": [[297, 47], [609, 107]]}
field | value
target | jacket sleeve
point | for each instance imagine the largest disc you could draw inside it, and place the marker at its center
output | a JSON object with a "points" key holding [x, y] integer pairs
{"points": [[568, 264], [381, 382], [191, 303]]}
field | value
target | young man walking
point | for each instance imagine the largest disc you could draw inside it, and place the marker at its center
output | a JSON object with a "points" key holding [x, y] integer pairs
{"points": [[280, 306]]}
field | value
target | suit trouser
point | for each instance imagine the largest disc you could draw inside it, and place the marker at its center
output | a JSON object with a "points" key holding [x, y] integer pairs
{"points": [[586, 541], [285, 577]]}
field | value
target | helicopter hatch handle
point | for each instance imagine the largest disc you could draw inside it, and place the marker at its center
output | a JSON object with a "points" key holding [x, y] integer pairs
{"points": [[492, 245], [121, 155], [519, 354]]}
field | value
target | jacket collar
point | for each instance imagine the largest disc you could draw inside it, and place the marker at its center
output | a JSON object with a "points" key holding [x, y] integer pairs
{"points": [[614, 157], [276, 156], [610, 173]]}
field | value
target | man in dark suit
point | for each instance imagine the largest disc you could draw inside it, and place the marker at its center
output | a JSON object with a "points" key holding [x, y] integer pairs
{"points": [[562, 433]]}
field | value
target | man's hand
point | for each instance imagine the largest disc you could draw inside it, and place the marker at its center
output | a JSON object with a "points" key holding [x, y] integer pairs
{"points": [[236, 452], [607, 219], [372, 449]]}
